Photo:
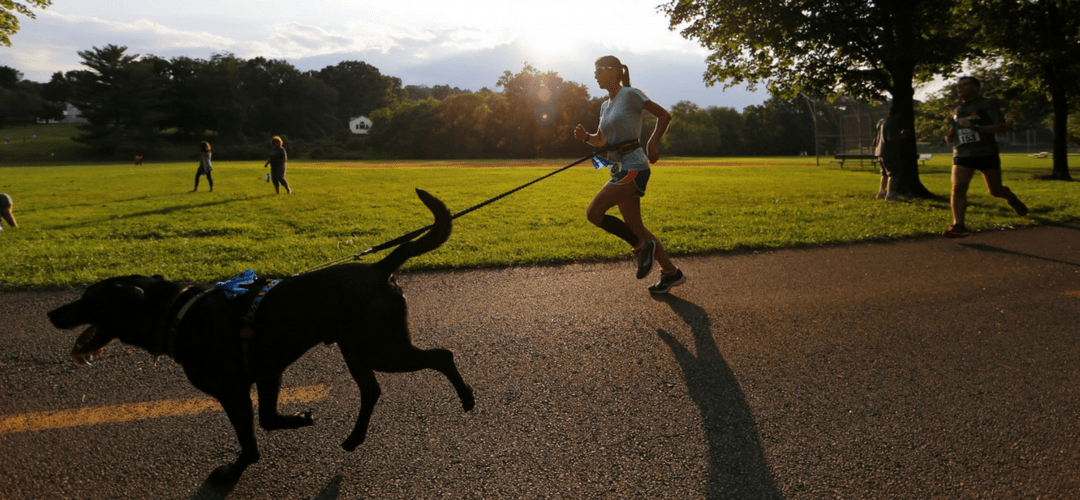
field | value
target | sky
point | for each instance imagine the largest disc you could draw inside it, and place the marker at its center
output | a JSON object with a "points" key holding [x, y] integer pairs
{"points": [[466, 43]]}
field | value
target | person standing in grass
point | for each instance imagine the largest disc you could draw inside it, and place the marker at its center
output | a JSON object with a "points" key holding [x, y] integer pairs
{"points": [[204, 166], [278, 158], [5, 211], [618, 134], [886, 148], [972, 125]]}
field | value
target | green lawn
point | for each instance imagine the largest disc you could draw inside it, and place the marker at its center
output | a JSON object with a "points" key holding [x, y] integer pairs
{"points": [[41, 144], [81, 223]]}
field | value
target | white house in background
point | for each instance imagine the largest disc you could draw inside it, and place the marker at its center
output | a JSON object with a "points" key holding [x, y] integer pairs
{"points": [[71, 115], [360, 125]]}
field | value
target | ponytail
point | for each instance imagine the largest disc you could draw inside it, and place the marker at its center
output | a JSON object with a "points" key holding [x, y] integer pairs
{"points": [[614, 62]]}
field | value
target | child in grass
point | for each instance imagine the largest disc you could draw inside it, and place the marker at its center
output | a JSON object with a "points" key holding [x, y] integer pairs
{"points": [[204, 166], [277, 161], [5, 211]]}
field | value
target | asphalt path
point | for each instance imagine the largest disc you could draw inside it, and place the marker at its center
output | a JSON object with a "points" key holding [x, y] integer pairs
{"points": [[917, 369]]}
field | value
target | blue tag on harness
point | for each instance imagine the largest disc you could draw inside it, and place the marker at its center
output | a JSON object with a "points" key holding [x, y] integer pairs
{"points": [[232, 286], [599, 162]]}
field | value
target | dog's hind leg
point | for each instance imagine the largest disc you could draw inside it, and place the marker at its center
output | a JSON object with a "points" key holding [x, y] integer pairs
{"points": [[269, 418], [237, 406], [369, 395], [414, 359]]}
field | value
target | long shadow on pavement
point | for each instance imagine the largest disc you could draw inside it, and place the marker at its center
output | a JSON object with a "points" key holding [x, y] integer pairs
{"points": [[989, 248], [737, 466], [212, 491]]}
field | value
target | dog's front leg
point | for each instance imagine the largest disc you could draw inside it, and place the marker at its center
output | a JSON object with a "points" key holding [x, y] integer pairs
{"points": [[237, 406], [269, 418], [369, 394]]}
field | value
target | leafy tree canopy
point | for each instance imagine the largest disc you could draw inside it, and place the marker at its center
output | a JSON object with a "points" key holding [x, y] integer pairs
{"points": [[1038, 42], [828, 47], [9, 22]]}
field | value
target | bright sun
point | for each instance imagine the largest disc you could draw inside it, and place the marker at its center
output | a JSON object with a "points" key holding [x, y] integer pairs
{"points": [[549, 42], [547, 34]]}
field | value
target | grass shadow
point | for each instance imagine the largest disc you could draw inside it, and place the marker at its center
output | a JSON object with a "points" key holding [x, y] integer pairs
{"points": [[1062, 225], [737, 466], [161, 211], [988, 248]]}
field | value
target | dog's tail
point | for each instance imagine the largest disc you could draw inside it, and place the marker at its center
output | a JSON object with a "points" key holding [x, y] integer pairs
{"points": [[432, 239]]}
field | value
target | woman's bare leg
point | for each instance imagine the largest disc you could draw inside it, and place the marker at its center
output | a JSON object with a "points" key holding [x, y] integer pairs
{"points": [[630, 209]]}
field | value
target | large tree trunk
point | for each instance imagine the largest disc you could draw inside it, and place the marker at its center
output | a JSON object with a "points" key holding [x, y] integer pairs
{"points": [[899, 61], [1061, 133], [908, 181]]}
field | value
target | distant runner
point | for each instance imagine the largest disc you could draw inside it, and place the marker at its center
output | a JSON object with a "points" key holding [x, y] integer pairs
{"points": [[972, 125]]}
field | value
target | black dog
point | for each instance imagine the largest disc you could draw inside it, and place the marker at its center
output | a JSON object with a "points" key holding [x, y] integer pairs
{"points": [[225, 345]]}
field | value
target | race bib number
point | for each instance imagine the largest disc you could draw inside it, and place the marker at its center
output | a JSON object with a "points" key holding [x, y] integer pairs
{"points": [[967, 136]]}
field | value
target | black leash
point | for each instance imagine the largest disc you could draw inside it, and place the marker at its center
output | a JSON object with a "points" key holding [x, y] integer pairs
{"points": [[412, 235]]}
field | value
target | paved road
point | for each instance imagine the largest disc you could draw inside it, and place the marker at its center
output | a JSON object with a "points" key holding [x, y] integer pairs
{"points": [[918, 369]]}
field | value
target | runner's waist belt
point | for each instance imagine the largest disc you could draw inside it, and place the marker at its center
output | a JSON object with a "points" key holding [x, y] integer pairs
{"points": [[621, 147]]}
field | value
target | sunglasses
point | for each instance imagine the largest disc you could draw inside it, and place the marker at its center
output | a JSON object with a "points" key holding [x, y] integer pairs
{"points": [[600, 69]]}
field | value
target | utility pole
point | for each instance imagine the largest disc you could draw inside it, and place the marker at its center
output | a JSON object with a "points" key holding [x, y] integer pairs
{"points": [[813, 115]]}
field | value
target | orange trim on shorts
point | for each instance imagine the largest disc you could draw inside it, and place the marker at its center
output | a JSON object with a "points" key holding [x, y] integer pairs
{"points": [[629, 178]]}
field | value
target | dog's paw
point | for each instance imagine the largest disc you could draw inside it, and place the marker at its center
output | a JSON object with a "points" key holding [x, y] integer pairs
{"points": [[351, 444], [85, 358], [305, 418], [278, 422], [468, 401]]}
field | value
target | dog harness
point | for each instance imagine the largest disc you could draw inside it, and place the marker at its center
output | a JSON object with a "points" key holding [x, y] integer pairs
{"points": [[167, 339], [249, 319], [247, 332], [232, 288]]}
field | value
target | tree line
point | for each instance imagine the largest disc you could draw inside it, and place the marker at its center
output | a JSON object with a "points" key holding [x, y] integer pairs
{"points": [[136, 104]]}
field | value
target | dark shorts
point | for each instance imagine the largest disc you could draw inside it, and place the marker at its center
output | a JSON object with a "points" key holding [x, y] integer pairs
{"points": [[640, 179], [277, 173], [980, 163], [5, 201]]}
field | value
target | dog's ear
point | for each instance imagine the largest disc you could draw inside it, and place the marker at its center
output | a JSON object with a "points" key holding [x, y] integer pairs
{"points": [[158, 277], [130, 292]]}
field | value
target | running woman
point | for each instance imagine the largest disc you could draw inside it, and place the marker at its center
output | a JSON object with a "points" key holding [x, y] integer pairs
{"points": [[618, 134]]}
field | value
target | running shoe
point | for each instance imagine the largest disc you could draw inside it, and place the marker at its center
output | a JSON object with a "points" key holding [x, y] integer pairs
{"points": [[1019, 207], [956, 231], [668, 281], [644, 258]]}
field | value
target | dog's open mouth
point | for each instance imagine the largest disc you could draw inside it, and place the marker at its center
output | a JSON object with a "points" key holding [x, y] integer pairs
{"points": [[79, 353]]}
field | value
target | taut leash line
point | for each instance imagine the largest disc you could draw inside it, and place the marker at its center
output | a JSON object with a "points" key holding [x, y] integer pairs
{"points": [[406, 237], [412, 235]]}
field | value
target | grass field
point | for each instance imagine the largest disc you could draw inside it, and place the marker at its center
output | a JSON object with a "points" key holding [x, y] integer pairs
{"points": [[81, 223]]}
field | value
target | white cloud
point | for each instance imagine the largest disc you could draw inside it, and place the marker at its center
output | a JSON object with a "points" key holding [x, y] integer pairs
{"points": [[464, 44]]}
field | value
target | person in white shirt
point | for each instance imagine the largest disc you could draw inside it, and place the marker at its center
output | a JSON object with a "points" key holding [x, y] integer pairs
{"points": [[618, 135]]}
